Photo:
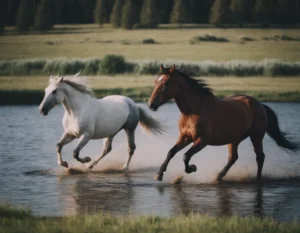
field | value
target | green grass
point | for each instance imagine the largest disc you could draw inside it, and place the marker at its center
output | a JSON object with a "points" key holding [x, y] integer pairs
{"points": [[30, 89], [116, 64], [11, 221], [84, 41]]}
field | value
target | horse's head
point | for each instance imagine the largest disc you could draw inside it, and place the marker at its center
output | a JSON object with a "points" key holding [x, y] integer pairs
{"points": [[165, 88], [53, 95]]}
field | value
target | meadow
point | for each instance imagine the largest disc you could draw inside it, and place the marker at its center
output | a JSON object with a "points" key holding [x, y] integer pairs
{"points": [[77, 41], [19, 220]]}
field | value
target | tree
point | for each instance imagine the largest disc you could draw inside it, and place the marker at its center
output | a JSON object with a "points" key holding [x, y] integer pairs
{"points": [[220, 12], [115, 18], [164, 10], [129, 14], [263, 12], [286, 12], [3, 14], [149, 16], [179, 13], [25, 15], [101, 11], [45, 16], [238, 11]]}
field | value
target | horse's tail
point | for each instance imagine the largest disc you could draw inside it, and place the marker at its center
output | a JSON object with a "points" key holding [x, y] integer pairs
{"points": [[281, 138], [150, 124]]}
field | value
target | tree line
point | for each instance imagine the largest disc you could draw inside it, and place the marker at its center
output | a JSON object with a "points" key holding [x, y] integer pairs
{"points": [[128, 14]]}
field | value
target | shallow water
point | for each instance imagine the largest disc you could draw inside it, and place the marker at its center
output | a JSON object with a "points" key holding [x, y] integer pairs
{"points": [[29, 175]]}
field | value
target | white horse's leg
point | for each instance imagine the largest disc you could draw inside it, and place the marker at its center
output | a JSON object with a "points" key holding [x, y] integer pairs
{"points": [[107, 148], [131, 147], [65, 139], [83, 140]]}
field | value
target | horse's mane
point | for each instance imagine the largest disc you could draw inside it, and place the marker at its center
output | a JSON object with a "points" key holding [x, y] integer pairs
{"points": [[198, 84], [79, 83]]}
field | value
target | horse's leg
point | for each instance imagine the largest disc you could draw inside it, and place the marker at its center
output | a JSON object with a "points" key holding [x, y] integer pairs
{"points": [[131, 147], [197, 146], [232, 158], [260, 156], [65, 139], [180, 144], [83, 140], [107, 148]]}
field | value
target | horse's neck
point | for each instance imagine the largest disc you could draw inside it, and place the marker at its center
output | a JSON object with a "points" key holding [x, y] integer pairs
{"points": [[190, 102], [75, 101]]}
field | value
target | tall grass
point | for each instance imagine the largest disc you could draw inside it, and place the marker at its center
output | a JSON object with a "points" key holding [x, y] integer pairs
{"points": [[10, 222], [117, 64]]}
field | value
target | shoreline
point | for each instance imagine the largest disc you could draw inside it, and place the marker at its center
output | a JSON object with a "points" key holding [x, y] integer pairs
{"points": [[34, 97]]}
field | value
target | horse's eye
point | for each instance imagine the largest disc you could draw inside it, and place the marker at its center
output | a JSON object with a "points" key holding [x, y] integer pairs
{"points": [[54, 91]]}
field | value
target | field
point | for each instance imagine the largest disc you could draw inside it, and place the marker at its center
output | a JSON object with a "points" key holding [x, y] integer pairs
{"points": [[92, 41], [30, 90], [16, 220]]}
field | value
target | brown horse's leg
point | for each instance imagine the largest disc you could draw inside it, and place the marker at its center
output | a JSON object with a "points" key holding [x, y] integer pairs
{"points": [[180, 144], [198, 145], [260, 156], [232, 157]]}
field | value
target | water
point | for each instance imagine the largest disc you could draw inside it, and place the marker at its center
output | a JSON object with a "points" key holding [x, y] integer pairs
{"points": [[30, 177]]}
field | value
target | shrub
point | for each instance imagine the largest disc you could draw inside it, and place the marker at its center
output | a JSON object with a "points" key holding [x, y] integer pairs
{"points": [[208, 38], [247, 38], [148, 41], [113, 64]]}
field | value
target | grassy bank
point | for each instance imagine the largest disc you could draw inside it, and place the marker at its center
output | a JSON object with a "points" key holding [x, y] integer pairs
{"points": [[113, 64], [85, 41], [30, 90], [15, 220]]}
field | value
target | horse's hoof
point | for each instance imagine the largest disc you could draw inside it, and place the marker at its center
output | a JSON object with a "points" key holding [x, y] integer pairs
{"points": [[158, 177], [64, 164], [218, 179], [193, 168], [87, 159], [91, 166]]}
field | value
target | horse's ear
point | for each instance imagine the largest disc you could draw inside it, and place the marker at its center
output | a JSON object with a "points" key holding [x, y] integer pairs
{"points": [[161, 68], [172, 69], [61, 79]]}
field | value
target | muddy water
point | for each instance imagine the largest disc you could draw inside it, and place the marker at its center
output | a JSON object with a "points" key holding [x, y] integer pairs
{"points": [[29, 175]]}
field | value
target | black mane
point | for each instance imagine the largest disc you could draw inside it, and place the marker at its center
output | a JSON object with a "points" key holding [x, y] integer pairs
{"points": [[198, 84]]}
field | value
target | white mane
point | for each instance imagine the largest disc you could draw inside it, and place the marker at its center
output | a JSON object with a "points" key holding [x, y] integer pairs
{"points": [[79, 83]]}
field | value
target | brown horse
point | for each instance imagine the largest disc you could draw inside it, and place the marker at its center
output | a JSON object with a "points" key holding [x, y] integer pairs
{"points": [[206, 120]]}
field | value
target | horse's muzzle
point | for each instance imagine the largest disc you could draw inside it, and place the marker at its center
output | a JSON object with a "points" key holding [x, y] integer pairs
{"points": [[44, 112], [153, 106]]}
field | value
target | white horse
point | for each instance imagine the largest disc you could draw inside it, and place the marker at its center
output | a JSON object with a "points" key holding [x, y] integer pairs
{"points": [[89, 118]]}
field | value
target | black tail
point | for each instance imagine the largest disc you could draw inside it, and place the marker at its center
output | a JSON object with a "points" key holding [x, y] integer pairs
{"points": [[281, 138]]}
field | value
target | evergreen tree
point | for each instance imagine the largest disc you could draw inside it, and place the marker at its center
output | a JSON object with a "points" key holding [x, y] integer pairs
{"points": [[164, 10], [101, 11], [129, 14], [25, 15], [220, 12], [45, 17], [89, 6], [149, 16], [13, 6], [3, 14], [263, 12], [286, 12], [238, 11], [179, 13], [195, 9], [115, 17]]}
